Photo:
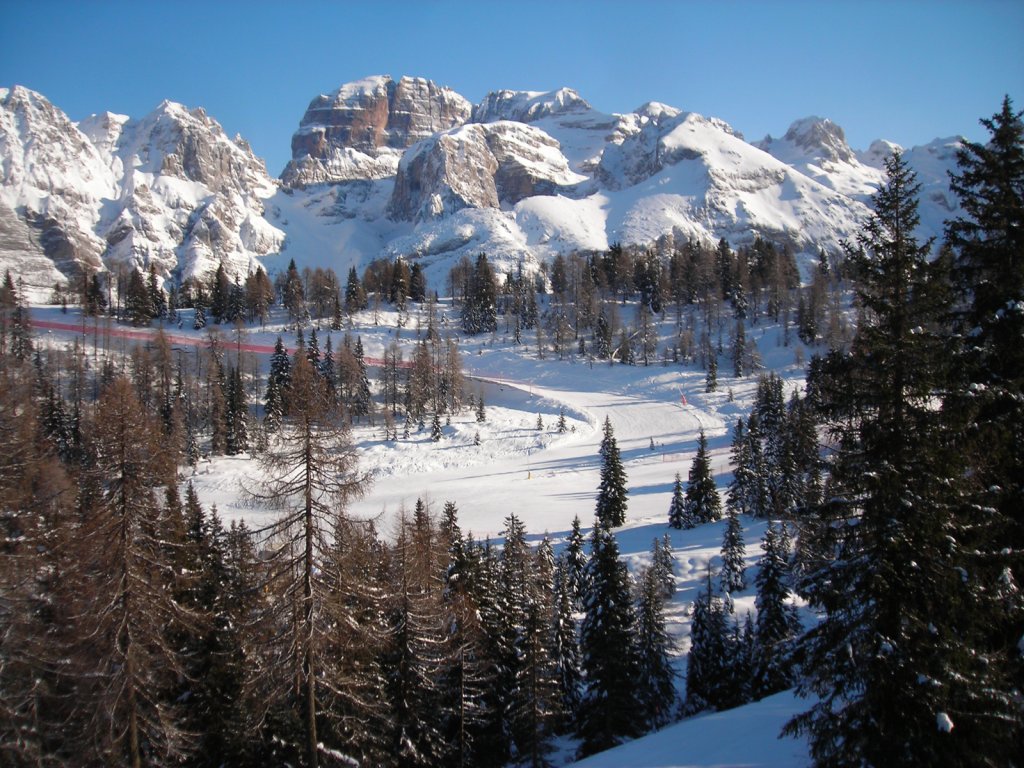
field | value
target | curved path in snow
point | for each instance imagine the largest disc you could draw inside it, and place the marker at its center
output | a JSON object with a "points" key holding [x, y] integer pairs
{"points": [[547, 488]]}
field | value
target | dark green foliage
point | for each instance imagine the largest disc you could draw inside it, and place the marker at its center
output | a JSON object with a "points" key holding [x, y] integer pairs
{"points": [[610, 710], [893, 652], [986, 404], [777, 623], [355, 295], [612, 491], [138, 303], [565, 647], [707, 662], [678, 516], [575, 566], [733, 555], [702, 503], [480, 303], [655, 683]]}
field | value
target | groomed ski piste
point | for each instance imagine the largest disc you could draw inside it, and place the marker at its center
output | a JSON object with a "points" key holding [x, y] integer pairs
{"points": [[543, 476]]}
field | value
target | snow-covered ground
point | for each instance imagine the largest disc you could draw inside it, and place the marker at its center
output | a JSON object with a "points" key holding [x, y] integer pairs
{"points": [[547, 479]]}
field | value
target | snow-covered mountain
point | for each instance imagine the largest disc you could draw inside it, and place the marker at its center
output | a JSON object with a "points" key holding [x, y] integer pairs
{"points": [[169, 190], [408, 168], [524, 175]]}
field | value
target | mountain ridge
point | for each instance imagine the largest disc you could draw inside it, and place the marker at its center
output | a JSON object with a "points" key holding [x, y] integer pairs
{"points": [[385, 167]]}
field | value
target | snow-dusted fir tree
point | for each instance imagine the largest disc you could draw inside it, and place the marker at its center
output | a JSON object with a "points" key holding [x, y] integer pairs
{"points": [[277, 385], [655, 683], [702, 503], [465, 673], [733, 554], [575, 565], [987, 405], [740, 496], [678, 515], [565, 647], [609, 712], [413, 657], [662, 565], [706, 662], [612, 490], [890, 659], [777, 622]]}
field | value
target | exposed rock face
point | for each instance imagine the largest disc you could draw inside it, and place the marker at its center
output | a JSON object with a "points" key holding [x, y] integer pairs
{"points": [[445, 174], [654, 144], [169, 190], [478, 166], [353, 133], [186, 191], [819, 138]]}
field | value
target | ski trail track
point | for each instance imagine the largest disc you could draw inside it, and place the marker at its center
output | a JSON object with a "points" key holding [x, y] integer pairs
{"points": [[547, 486]]}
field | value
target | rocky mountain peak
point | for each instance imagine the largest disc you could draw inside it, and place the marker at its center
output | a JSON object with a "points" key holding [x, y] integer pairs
{"points": [[527, 106], [355, 131], [169, 189], [819, 139], [655, 111]]}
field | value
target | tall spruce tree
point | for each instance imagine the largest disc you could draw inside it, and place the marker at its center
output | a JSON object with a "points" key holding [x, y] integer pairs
{"points": [[575, 565], [777, 622], [890, 664], [702, 501], [706, 663], [565, 647], [677, 512], [986, 404], [655, 683], [609, 712], [612, 491], [733, 554]]}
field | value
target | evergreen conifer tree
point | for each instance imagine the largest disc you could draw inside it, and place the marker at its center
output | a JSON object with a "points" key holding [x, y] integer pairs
{"points": [[678, 516], [565, 647], [891, 656], [986, 405], [733, 554], [612, 491], [702, 502], [655, 682], [706, 663], [609, 712], [575, 565], [777, 622]]}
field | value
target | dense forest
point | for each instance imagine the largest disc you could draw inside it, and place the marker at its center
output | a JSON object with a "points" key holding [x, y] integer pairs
{"points": [[137, 628]]}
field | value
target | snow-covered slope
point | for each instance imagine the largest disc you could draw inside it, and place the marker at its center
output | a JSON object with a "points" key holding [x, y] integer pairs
{"points": [[746, 736]]}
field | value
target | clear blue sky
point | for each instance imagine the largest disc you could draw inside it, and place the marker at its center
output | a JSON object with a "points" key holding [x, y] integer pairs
{"points": [[904, 71]]}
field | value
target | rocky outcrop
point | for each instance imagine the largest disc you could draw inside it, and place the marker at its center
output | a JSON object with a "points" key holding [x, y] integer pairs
{"points": [[816, 138], [478, 166], [528, 106], [354, 132]]}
